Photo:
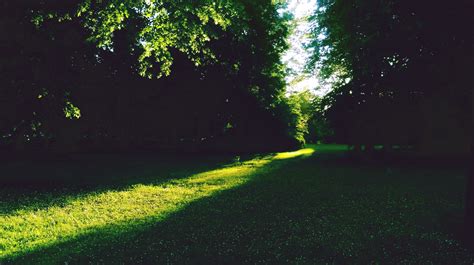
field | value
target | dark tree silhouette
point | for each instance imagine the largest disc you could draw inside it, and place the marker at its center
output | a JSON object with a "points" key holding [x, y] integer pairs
{"points": [[167, 75], [404, 74]]}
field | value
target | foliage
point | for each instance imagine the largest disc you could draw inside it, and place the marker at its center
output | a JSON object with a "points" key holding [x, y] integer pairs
{"points": [[159, 26], [308, 114], [71, 111], [217, 63], [319, 129], [389, 56], [301, 109]]}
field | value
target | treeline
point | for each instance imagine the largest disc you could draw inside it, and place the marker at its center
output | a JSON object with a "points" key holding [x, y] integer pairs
{"points": [[89, 75], [403, 72]]}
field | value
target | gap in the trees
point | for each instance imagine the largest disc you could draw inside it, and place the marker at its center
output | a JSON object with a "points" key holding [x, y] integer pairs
{"points": [[297, 55]]}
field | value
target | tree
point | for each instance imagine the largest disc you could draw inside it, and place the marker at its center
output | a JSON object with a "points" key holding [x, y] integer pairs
{"points": [[309, 119], [142, 73], [391, 57], [388, 57]]}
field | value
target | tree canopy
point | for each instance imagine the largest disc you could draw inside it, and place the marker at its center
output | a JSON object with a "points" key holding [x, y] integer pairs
{"points": [[389, 57], [142, 73]]}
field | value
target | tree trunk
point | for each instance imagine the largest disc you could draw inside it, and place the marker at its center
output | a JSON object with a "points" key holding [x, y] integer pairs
{"points": [[469, 207], [387, 148], [357, 149], [67, 136], [19, 145], [369, 149]]}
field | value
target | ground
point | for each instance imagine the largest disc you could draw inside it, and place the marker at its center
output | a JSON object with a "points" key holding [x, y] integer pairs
{"points": [[312, 206]]}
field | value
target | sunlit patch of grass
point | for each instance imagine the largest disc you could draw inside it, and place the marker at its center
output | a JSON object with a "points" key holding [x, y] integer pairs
{"points": [[26, 230], [301, 152], [227, 174]]}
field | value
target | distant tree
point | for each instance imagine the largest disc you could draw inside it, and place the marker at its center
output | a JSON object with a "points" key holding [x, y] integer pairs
{"points": [[301, 109], [309, 118], [318, 124]]}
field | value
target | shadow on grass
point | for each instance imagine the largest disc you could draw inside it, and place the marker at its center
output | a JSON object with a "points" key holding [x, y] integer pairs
{"points": [[309, 211]]}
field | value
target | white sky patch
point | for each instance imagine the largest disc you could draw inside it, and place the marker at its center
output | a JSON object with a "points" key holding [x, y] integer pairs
{"points": [[296, 57]]}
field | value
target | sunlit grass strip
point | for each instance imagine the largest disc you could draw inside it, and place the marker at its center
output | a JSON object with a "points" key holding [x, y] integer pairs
{"points": [[27, 230], [301, 152]]}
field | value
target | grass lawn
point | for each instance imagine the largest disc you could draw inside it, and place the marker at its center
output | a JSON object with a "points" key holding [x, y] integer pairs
{"points": [[306, 207]]}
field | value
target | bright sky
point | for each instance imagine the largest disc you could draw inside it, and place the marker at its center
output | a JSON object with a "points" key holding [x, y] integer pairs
{"points": [[295, 58]]}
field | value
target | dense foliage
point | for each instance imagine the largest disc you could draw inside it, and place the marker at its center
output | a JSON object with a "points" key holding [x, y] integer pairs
{"points": [[311, 125], [395, 60], [404, 71], [162, 74]]}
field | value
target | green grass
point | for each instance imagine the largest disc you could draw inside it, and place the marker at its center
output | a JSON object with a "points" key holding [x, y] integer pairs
{"points": [[293, 207]]}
